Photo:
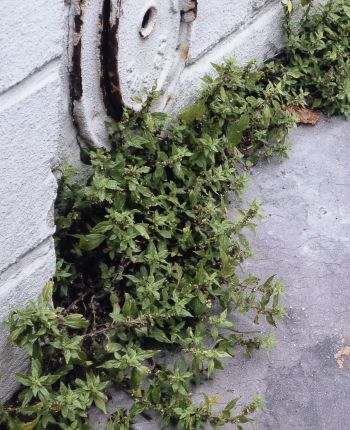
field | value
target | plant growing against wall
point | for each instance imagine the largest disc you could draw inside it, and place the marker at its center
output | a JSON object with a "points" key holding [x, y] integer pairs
{"points": [[146, 255], [148, 259], [315, 63]]}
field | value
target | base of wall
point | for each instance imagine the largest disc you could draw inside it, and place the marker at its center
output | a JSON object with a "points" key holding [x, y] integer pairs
{"points": [[20, 284], [261, 40]]}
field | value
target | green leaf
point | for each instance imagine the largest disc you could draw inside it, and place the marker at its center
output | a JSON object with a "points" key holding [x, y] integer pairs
{"points": [[30, 425], [141, 230], [194, 113], [75, 321], [101, 404], [24, 379], [232, 404], [46, 294], [236, 129], [91, 241]]}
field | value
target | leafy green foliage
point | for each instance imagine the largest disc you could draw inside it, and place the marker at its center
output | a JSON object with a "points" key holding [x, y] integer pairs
{"points": [[147, 257], [148, 260], [316, 59]]}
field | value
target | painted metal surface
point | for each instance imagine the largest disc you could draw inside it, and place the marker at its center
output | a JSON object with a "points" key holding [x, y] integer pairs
{"points": [[121, 49]]}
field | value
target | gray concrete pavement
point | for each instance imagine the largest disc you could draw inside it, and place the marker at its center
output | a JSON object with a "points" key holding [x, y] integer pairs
{"points": [[305, 240]]}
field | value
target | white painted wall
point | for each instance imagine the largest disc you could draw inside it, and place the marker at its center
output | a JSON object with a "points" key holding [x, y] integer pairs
{"points": [[36, 130], [33, 119]]}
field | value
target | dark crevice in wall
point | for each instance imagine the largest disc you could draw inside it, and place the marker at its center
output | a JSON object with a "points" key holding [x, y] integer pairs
{"points": [[110, 82], [75, 74]]}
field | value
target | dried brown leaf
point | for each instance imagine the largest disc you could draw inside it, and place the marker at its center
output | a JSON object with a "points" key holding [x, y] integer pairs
{"points": [[303, 115], [340, 355]]}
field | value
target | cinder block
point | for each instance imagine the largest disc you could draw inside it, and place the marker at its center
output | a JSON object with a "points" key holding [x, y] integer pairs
{"points": [[217, 20], [29, 136], [31, 34], [18, 286], [261, 40]]}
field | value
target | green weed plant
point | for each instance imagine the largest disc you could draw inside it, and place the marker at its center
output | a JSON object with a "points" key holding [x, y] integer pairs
{"points": [[148, 260]]}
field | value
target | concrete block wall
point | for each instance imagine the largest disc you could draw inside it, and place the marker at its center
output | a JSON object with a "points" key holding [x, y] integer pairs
{"points": [[36, 125], [31, 109]]}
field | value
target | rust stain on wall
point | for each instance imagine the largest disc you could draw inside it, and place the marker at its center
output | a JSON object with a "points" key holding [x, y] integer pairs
{"points": [[185, 49]]}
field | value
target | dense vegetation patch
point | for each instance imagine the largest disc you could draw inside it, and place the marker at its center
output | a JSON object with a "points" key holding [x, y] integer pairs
{"points": [[315, 63], [147, 274]]}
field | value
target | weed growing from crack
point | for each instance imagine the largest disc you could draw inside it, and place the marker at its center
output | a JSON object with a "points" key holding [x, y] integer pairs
{"points": [[147, 258]]}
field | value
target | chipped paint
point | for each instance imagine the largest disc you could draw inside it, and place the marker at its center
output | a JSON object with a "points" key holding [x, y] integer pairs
{"points": [[121, 47]]}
